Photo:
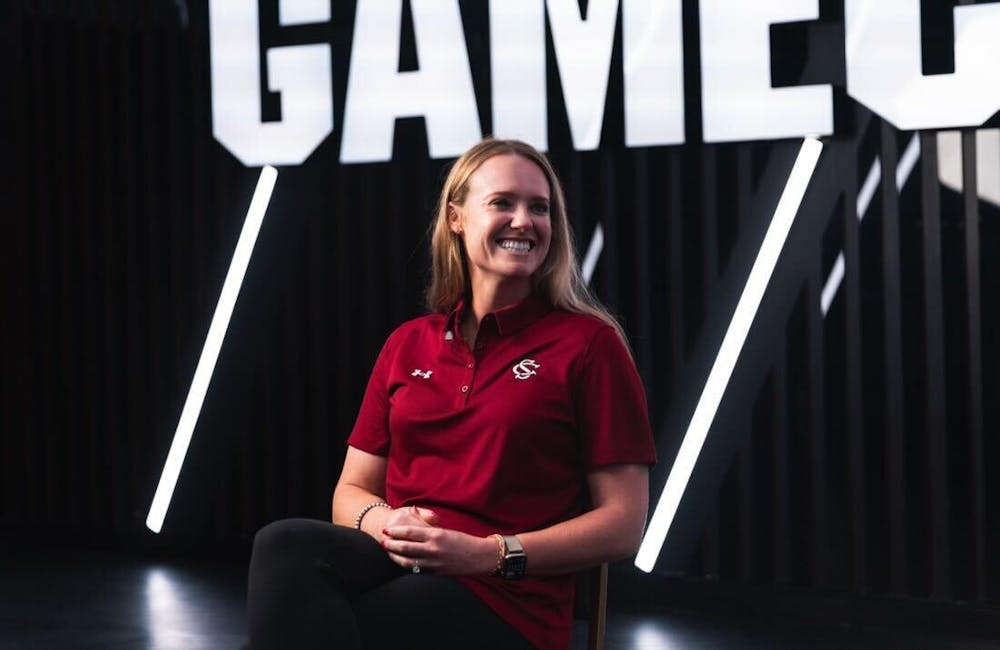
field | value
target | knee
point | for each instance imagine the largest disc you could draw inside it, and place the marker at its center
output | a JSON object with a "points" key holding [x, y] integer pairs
{"points": [[286, 538]]}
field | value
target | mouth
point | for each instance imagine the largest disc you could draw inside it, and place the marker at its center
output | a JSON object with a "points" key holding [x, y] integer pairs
{"points": [[516, 245]]}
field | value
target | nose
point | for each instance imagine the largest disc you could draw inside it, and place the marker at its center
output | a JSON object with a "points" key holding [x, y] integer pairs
{"points": [[521, 219]]}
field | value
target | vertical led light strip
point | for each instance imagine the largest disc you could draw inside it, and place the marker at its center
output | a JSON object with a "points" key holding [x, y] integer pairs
{"points": [[210, 353], [729, 352]]}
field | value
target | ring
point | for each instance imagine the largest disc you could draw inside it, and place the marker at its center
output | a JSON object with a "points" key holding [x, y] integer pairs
{"points": [[416, 566]]}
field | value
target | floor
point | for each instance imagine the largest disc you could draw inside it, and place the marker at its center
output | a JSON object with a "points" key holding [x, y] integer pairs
{"points": [[98, 599]]}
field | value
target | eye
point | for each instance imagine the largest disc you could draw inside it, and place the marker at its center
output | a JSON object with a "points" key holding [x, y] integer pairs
{"points": [[540, 208], [501, 202]]}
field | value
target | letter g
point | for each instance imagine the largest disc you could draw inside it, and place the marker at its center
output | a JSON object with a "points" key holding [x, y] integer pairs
{"points": [[300, 73]]}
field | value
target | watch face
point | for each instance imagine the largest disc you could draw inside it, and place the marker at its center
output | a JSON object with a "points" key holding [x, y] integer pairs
{"points": [[515, 567]]}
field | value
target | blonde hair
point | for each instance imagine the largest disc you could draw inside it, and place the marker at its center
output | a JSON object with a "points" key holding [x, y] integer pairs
{"points": [[558, 278]]}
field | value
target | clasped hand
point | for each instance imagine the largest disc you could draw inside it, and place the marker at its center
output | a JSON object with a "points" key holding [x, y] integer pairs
{"points": [[412, 537]]}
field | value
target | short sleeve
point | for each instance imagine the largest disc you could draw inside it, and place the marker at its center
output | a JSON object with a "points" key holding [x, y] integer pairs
{"points": [[611, 405], [371, 429]]}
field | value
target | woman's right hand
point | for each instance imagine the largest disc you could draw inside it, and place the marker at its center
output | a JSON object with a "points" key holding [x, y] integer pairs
{"points": [[411, 516], [408, 516]]}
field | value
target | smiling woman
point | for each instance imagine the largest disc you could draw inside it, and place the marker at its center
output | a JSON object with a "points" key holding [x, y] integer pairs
{"points": [[502, 445], [504, 224]]}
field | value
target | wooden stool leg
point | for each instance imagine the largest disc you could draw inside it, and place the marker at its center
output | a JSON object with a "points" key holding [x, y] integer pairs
{"points": [[597, 607]]}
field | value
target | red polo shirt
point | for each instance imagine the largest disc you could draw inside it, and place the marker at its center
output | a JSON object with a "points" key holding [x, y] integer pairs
{"points": [[499, 438]]}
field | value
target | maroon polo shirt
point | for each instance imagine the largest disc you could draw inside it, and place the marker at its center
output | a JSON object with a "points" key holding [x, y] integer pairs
{"points": [[500, 438]]}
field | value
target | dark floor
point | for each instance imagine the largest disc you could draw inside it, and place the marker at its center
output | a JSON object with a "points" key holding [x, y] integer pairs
{"points": [[98, 599]]}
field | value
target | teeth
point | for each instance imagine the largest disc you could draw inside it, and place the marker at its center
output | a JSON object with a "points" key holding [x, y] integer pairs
{"points": [[514, 245]]}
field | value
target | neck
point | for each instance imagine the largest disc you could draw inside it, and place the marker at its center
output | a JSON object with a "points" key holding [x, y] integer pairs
{"points": [[488, 297]]}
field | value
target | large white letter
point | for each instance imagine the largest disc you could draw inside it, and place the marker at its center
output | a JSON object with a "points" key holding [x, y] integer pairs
{"points": [[378, 93], [301, 73], [738, 102], [654, 72], [884, 69], [517, 68], [583, 55]]}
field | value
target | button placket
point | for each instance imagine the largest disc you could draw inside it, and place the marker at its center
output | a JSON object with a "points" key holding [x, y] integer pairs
{"points": [[474, 358], [469, 375]]}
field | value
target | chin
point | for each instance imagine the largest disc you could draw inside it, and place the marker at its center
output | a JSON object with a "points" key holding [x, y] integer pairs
{"points": [[525, 271]]}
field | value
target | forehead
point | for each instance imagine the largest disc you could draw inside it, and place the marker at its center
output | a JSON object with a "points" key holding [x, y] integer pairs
{"points": [[509, 173]]}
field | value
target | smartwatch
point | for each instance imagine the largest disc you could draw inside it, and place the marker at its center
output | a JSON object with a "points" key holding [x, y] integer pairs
{"points": [[515, 562]]}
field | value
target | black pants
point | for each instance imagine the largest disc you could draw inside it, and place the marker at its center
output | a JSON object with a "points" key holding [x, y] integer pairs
{"points": [[316, 585]]}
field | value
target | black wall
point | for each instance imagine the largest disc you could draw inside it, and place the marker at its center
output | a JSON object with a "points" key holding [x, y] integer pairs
{"points": [[852, 451]]}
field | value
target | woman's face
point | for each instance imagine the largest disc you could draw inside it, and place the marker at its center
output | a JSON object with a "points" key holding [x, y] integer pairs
{"points": [[504, 220]]}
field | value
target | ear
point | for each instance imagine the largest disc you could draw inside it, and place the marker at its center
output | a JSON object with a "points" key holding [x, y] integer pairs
{"points": [[455, 218]]}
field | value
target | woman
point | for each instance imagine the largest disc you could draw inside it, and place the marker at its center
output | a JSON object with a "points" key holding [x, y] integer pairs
{"points": [[486, 426]]}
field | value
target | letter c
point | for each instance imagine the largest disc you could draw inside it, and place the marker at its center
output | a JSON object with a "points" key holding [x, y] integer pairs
{"points": [[884, 69]]}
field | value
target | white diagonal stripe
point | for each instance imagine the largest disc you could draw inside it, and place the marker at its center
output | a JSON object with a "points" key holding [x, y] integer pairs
{"points": [[729, 352], [593, 253], [210, 352], [903, 171]]}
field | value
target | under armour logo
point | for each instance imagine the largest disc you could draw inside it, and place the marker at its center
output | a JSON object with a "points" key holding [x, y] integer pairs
{"points": [[525, 368], [422, 373]]}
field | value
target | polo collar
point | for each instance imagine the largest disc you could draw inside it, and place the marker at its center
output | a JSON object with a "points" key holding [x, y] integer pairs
{"points": [[509, 320]]}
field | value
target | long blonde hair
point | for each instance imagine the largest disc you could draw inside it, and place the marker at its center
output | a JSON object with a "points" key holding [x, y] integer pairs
{"points": [[558, 278]]}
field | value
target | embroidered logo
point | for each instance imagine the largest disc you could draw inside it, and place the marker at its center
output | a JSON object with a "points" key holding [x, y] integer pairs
{"points": [[526, 368], [423, 374]]}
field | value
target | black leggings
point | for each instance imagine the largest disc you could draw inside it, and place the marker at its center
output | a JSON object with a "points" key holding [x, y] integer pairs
{"points": [[316, 585]]}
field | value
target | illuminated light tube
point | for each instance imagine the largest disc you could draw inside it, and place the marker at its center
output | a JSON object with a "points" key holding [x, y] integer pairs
{"points": [[833, 283], [593, 253], [210, 353], [903, 171], [729, 352]]}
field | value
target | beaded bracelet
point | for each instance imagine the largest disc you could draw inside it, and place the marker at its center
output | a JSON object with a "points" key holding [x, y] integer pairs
{"points": [[500, 557], [364, 511]]}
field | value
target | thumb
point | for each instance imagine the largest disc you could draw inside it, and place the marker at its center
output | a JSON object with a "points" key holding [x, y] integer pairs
{"points": [[428, 515]]}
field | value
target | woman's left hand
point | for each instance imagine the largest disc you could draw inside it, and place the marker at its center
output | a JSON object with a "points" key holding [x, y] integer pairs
{"points": [[440, 550]]}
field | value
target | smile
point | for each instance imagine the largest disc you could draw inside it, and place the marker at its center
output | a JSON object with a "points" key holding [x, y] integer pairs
{"points": [[516, 245]]}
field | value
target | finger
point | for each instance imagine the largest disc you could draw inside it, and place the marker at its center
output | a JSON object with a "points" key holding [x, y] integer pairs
{"points": [[405, 562], [406, 548], [412, 533], [413, 515], [407, 517], [410, 562]]}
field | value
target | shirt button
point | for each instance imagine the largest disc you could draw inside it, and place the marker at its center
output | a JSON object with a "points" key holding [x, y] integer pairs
{"points": [[469, 366], [465, 389]]}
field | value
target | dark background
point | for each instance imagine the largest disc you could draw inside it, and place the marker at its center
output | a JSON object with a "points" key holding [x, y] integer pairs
{"points": [[854, 453]]}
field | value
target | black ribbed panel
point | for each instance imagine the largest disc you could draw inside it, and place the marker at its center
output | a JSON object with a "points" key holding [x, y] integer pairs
{"points": [[852, 449]]}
